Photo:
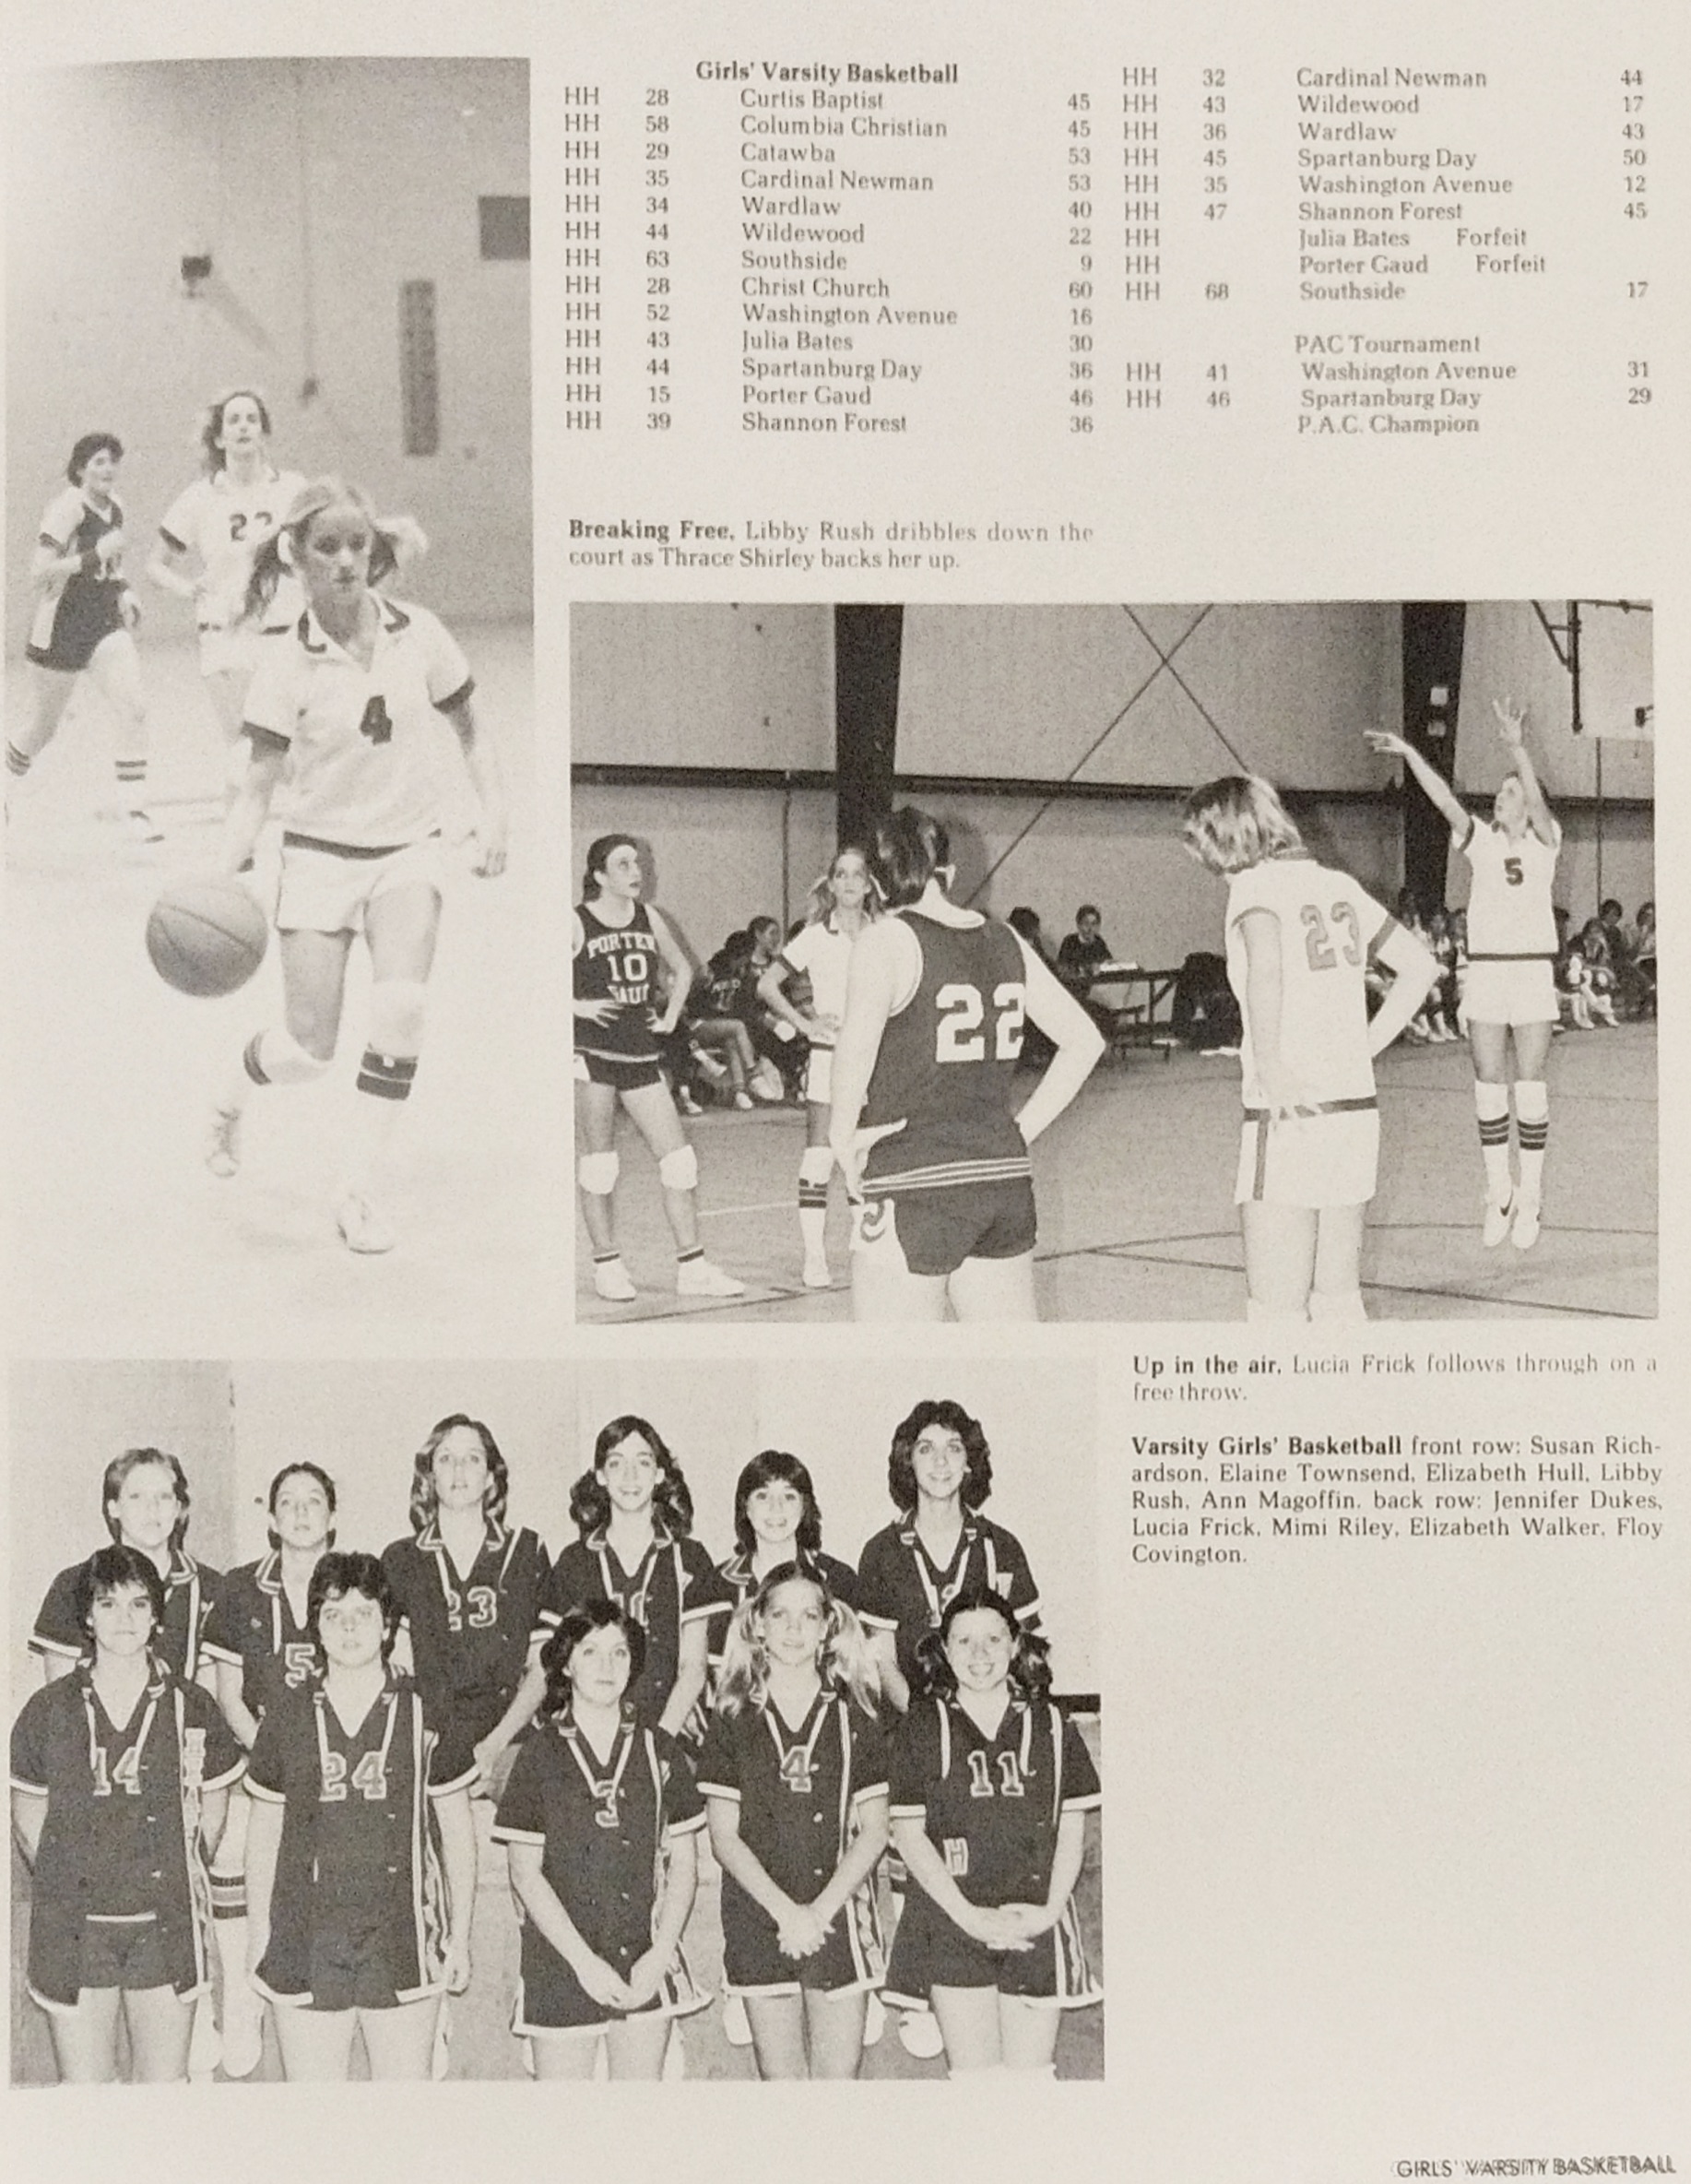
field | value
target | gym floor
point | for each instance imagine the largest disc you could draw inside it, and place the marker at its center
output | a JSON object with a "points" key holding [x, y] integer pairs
{"points": [[132, 1248], [1135, 1191]]}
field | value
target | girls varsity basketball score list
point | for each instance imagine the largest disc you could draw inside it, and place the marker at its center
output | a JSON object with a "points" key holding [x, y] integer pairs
{"points": [[1072, 748]]}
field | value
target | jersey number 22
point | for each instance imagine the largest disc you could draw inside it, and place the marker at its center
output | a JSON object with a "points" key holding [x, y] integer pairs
{"points": [[963, 1015]]}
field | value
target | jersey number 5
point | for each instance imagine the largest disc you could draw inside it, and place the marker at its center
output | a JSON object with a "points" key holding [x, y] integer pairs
{"points": [[1317, 941], [1512, 871], [962, 1015], [375, 723]]}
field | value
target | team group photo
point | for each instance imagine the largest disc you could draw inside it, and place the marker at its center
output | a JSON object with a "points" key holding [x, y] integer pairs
{"points": [[1100, 962], [718, 1720]]}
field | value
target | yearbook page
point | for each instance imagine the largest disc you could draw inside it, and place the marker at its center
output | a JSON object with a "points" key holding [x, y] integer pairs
{"points": [[1028, 1439]]}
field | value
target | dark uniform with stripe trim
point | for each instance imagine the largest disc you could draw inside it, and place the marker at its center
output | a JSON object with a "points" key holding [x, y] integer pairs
{"points": [[119, 1896], [798, 1791], [190, 1599], [618, 964], [359, 1917], [954, 1182], [991, 1807], [602, 1825], [901, 1589], [82, 609], [470, 1635], [252, 1628], [672, 1585]]}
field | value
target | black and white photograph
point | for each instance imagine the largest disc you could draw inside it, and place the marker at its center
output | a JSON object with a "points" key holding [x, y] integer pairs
{"points": [[270, 854], [725, 1719], [1289, 963]]}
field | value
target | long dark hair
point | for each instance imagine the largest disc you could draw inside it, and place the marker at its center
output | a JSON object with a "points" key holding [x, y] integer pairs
{"points": [[671, 1503], [901, 1462], [1030, 1663], [768, 1466]]}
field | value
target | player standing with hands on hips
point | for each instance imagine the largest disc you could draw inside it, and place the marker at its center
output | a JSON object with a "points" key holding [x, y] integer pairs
{"points": [[1511, 998], [618, 943], [1299, 936], [350, 698], [925, 1119]]}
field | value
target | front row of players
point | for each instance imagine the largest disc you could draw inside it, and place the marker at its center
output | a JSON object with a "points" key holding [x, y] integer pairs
{"points": [[330, 1795]]}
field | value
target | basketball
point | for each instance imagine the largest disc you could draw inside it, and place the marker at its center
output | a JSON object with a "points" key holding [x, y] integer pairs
{"points": [[207, 936]]}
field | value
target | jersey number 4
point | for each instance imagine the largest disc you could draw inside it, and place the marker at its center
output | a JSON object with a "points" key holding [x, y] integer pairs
{"points": [[1318, 941], [369, 1776], [963, 1022], [796, 1772], [375, 723]]}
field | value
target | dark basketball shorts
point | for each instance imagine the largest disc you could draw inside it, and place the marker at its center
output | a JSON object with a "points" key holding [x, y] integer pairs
{"points": [[932, 1232], [124, 1952], [622, 1076]]}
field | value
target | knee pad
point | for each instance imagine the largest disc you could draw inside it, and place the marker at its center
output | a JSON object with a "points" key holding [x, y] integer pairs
{"points": [[396, 1015], [1532, 1100], [1338, 1307], [679, 1170], [276, 1057], [1491, 1102], [816, 1165], [597, 1173]]}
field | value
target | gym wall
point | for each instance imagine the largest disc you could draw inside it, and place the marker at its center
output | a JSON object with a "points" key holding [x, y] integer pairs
{"points": [[1007, 692], [67, 1421], [315, 187]]}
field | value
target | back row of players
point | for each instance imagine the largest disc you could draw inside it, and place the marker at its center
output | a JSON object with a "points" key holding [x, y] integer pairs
{"points": [[906, 1698]]}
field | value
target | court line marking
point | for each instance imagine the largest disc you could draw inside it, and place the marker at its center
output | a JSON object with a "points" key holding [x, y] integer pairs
{"points": [[1527, 1304]]}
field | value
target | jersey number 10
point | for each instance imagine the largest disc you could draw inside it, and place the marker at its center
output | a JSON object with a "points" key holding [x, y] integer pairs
{"points": [[963, 1022]]}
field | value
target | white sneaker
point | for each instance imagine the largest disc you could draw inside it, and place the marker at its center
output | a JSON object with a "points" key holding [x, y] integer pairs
{"points": [[610, 1279], [243, 2040], [205, 2041], [1497, 1219], [1523, 1233], [743, 1100], [736, 2024], [362, 1228], [700, 1277], [919, 2035], [223, 1142], [816, 1275], [141, 826]]}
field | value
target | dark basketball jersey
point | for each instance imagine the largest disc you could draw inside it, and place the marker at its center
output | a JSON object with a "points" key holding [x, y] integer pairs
{"points": [[947, 1064], [618, 963]]}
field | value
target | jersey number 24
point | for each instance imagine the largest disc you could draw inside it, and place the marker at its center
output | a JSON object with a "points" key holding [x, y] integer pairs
{"points": [[963, 1032]]}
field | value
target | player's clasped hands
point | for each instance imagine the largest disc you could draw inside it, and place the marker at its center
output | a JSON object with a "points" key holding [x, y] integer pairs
{"points": [[997, 1926], [604, 1983], [800, 1932]]}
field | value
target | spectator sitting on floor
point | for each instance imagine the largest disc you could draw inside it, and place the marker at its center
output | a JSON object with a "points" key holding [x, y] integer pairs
{"points": [[1643, 958]]}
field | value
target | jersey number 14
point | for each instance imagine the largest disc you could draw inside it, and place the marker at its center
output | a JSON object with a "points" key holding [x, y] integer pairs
{"points": [[963, 1030]]}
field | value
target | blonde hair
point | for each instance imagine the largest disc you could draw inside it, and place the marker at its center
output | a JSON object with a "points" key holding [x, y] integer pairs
{"points": [[843, 1658], [1236, 822]]}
